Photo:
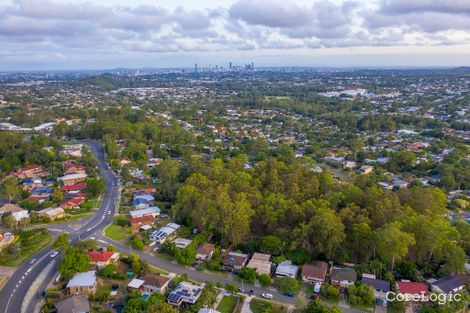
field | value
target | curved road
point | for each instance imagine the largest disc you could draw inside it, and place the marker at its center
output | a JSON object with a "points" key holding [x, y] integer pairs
{"points": [[16, 289]]}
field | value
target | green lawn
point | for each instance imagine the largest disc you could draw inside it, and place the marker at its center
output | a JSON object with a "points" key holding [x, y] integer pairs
{"points": [[117, 232], [227, 304], [157, 270], [263, 306]]}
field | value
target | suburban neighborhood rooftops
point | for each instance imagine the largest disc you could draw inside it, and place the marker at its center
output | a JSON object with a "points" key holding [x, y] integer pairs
{"points": [[85, 279], [316, 270], [286, 268], [410, 287], [147, 211], [448, 284], [75, 304], [136, 283], [343, 274], [185, 292], [377, 284]]}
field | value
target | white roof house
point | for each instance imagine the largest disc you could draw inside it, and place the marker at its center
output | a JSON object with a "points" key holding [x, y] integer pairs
{"points": [[287, 269], [152, 210], [162, 234], [86, 279], [184, 292], [136, 283], [72, 176], [182, 243]]}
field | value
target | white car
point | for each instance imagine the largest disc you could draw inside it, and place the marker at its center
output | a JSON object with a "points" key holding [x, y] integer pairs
{"points": [[156, 249], [54, 254], [267, 295], [32, 261]]}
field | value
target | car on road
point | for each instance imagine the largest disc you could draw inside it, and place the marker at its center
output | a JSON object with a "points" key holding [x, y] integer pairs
{"points": [[32, 260], [289, 294], [54, 254], [267, 295]]}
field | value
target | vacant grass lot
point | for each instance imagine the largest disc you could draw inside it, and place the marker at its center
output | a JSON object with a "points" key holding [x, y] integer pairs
{"points": [[227, 304], [28, 244], [263, 306], [117, 232]]}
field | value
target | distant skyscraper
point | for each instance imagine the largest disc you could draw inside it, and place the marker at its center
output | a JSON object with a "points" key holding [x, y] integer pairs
{"points": [[230, 65], [195, 67], [252, 66]]}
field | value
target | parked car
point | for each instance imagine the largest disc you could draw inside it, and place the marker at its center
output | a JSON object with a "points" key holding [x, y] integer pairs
{"points": [[32, 260], [54, 254], [314, 296], [289, 294], [267, 295], [156, 249]]}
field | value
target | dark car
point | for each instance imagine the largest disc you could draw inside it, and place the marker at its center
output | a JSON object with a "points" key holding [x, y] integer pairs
{"points": [[289, 294], [314, 296]]}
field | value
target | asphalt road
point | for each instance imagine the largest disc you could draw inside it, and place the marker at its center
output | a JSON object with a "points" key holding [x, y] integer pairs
{"points": [[16, 289]]}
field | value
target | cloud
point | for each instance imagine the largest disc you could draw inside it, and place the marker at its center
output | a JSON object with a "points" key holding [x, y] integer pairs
{"points": [[275, 13], [417, 6]]}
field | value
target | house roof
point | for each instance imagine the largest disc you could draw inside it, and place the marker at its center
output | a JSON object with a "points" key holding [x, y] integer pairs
{"points": [[155, 280], [205, 248], [51, 211], [146, 211], [135, 283], [261, 256], [235, 259], [10, 207], [141, 219], [74, 304], [377, 284], [73, 202], [343, 273], [317, 270], [411, 287], [73, 187], [100, 256], [286, 268], [448, 284], [86, 279]]}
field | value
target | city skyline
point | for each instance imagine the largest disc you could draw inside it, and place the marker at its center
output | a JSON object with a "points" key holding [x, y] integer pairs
{"points": [[76, 34]]}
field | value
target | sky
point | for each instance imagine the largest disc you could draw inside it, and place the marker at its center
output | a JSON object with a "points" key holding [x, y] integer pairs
{"points": [[104, 34]]}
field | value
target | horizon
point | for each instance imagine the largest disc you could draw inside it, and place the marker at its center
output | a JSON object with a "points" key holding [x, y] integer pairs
{"points": [[79, 35]]}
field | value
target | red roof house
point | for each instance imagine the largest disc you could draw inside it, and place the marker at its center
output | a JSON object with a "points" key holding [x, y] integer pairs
{"points": [[102, 258], [137, 222], [75, 187], [412, 288], [72, 203]]}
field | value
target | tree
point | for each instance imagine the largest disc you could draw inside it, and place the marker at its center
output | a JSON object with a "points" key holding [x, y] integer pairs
{"points": [[287, 284], [10, 189], [9, 221], [57, 195], [270, 244], [264, 279], [72, 263], [393, 243], [247, 274], [329, 291], [361, 294], [95, 186], [62, 242]]}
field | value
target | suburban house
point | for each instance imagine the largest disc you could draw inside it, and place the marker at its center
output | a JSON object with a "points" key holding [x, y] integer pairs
{"points": [[184, 292], [164, 233], [366, 169], [31, 171], [234, 261], [381, 287], [207, 310], [74, 304], [153, 211], [74, 188], [6, 239], [72, 203], [287, 269], [410, 288], [342, 276], [314, 273], [448, 285], [72, 179], [137, 222], [82, 283], [150, 283], [182, 243], [204, 251], [30, 183], [74, 150], [102, 258], [17, 212], [51, 213], [260, 262], [42, 191]]}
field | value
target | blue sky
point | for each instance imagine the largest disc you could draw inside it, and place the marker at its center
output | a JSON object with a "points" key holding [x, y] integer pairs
{"points": [[85, 34]]}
